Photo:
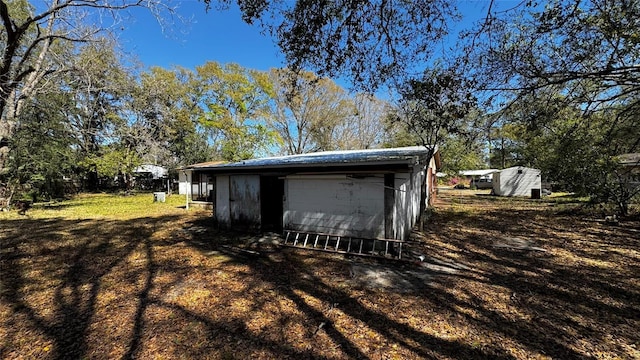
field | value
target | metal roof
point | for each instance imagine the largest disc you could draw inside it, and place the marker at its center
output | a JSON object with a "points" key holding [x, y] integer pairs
{"points": [[391, 156], [156, 171], [478, 172]]}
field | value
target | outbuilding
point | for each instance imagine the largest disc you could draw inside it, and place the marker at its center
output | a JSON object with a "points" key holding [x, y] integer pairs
{"points": [[152, 177], [374, 193], [479, 178], [197, 185], [517, 181]]}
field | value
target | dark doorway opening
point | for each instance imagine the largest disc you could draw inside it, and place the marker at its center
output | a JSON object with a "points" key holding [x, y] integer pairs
{"points": [[272, 193]]}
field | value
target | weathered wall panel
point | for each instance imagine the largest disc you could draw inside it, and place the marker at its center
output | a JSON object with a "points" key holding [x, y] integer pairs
{"points": [[222, 211], [389, 205], [403, 210], [244, 201], [184, 179], [417, 178], [335, 205]]}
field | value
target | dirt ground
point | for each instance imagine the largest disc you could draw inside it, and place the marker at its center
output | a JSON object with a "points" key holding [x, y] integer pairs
{"points": [[489, 278]]}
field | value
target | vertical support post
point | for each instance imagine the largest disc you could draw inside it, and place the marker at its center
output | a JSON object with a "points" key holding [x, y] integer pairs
{"points": [[389, 205], [188, 185]]}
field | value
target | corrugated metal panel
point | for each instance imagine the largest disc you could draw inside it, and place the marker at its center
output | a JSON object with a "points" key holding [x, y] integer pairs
{"points": [[404, 155]]}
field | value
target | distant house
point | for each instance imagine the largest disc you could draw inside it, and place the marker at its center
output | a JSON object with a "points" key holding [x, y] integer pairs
{"points": [[151, 177], [479, 178], [373, 193], [517, 181], [154, 172]]}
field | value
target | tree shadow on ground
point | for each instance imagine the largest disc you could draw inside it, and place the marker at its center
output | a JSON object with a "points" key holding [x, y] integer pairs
{"points": [[577, 298], [166, 287]]}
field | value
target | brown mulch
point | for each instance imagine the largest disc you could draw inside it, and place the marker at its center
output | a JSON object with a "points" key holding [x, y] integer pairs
{"points": [[499, 280]]}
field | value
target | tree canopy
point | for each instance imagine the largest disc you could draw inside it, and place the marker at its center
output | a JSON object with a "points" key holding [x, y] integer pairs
{"points": [[370, 41], [554, 85]]}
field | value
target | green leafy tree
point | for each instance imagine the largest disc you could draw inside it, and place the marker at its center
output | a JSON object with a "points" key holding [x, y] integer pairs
{"points": [[237, 109], [568, 71], [578, 151], [67, 121], [165, 114], [100, 88], [115, 162], [43, 154], [462, 149], [434, 105], [458, 154], [37, 44], [311, 113], [506, 143]]}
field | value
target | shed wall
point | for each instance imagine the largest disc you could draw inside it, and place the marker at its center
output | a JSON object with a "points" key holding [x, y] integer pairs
{"points": [[244, 202], [403, 209], [184, 182], [335, 205], [418, 178], [222, 211], [516, 181]]}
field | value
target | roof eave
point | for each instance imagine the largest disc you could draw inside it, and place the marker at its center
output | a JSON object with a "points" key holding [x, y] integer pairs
{"points": [[231, 168]]}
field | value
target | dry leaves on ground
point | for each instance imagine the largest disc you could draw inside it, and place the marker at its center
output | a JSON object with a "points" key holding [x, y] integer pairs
{"points": [[501, 280]]}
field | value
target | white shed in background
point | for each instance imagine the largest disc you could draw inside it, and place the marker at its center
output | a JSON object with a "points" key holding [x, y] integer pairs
{"points": [[517, 181], [154, 171]]}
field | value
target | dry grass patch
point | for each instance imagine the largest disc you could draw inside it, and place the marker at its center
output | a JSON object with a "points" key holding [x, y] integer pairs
{"points": [[151, 280]]}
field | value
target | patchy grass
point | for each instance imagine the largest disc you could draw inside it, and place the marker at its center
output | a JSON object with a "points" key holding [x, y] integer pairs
{"points": [[94, 206], [122, 277]]}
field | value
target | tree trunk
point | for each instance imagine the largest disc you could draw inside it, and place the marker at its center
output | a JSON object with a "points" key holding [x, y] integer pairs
{"points": [[502, 151], [7, 128]]}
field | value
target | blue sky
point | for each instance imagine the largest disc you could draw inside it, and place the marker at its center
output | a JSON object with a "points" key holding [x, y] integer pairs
{"points": [[219, 36], [215, 35]]}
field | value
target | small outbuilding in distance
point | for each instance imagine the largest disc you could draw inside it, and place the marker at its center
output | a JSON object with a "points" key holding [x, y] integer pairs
{"points": [[517, 181], [374, 193], [479, 178]]}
